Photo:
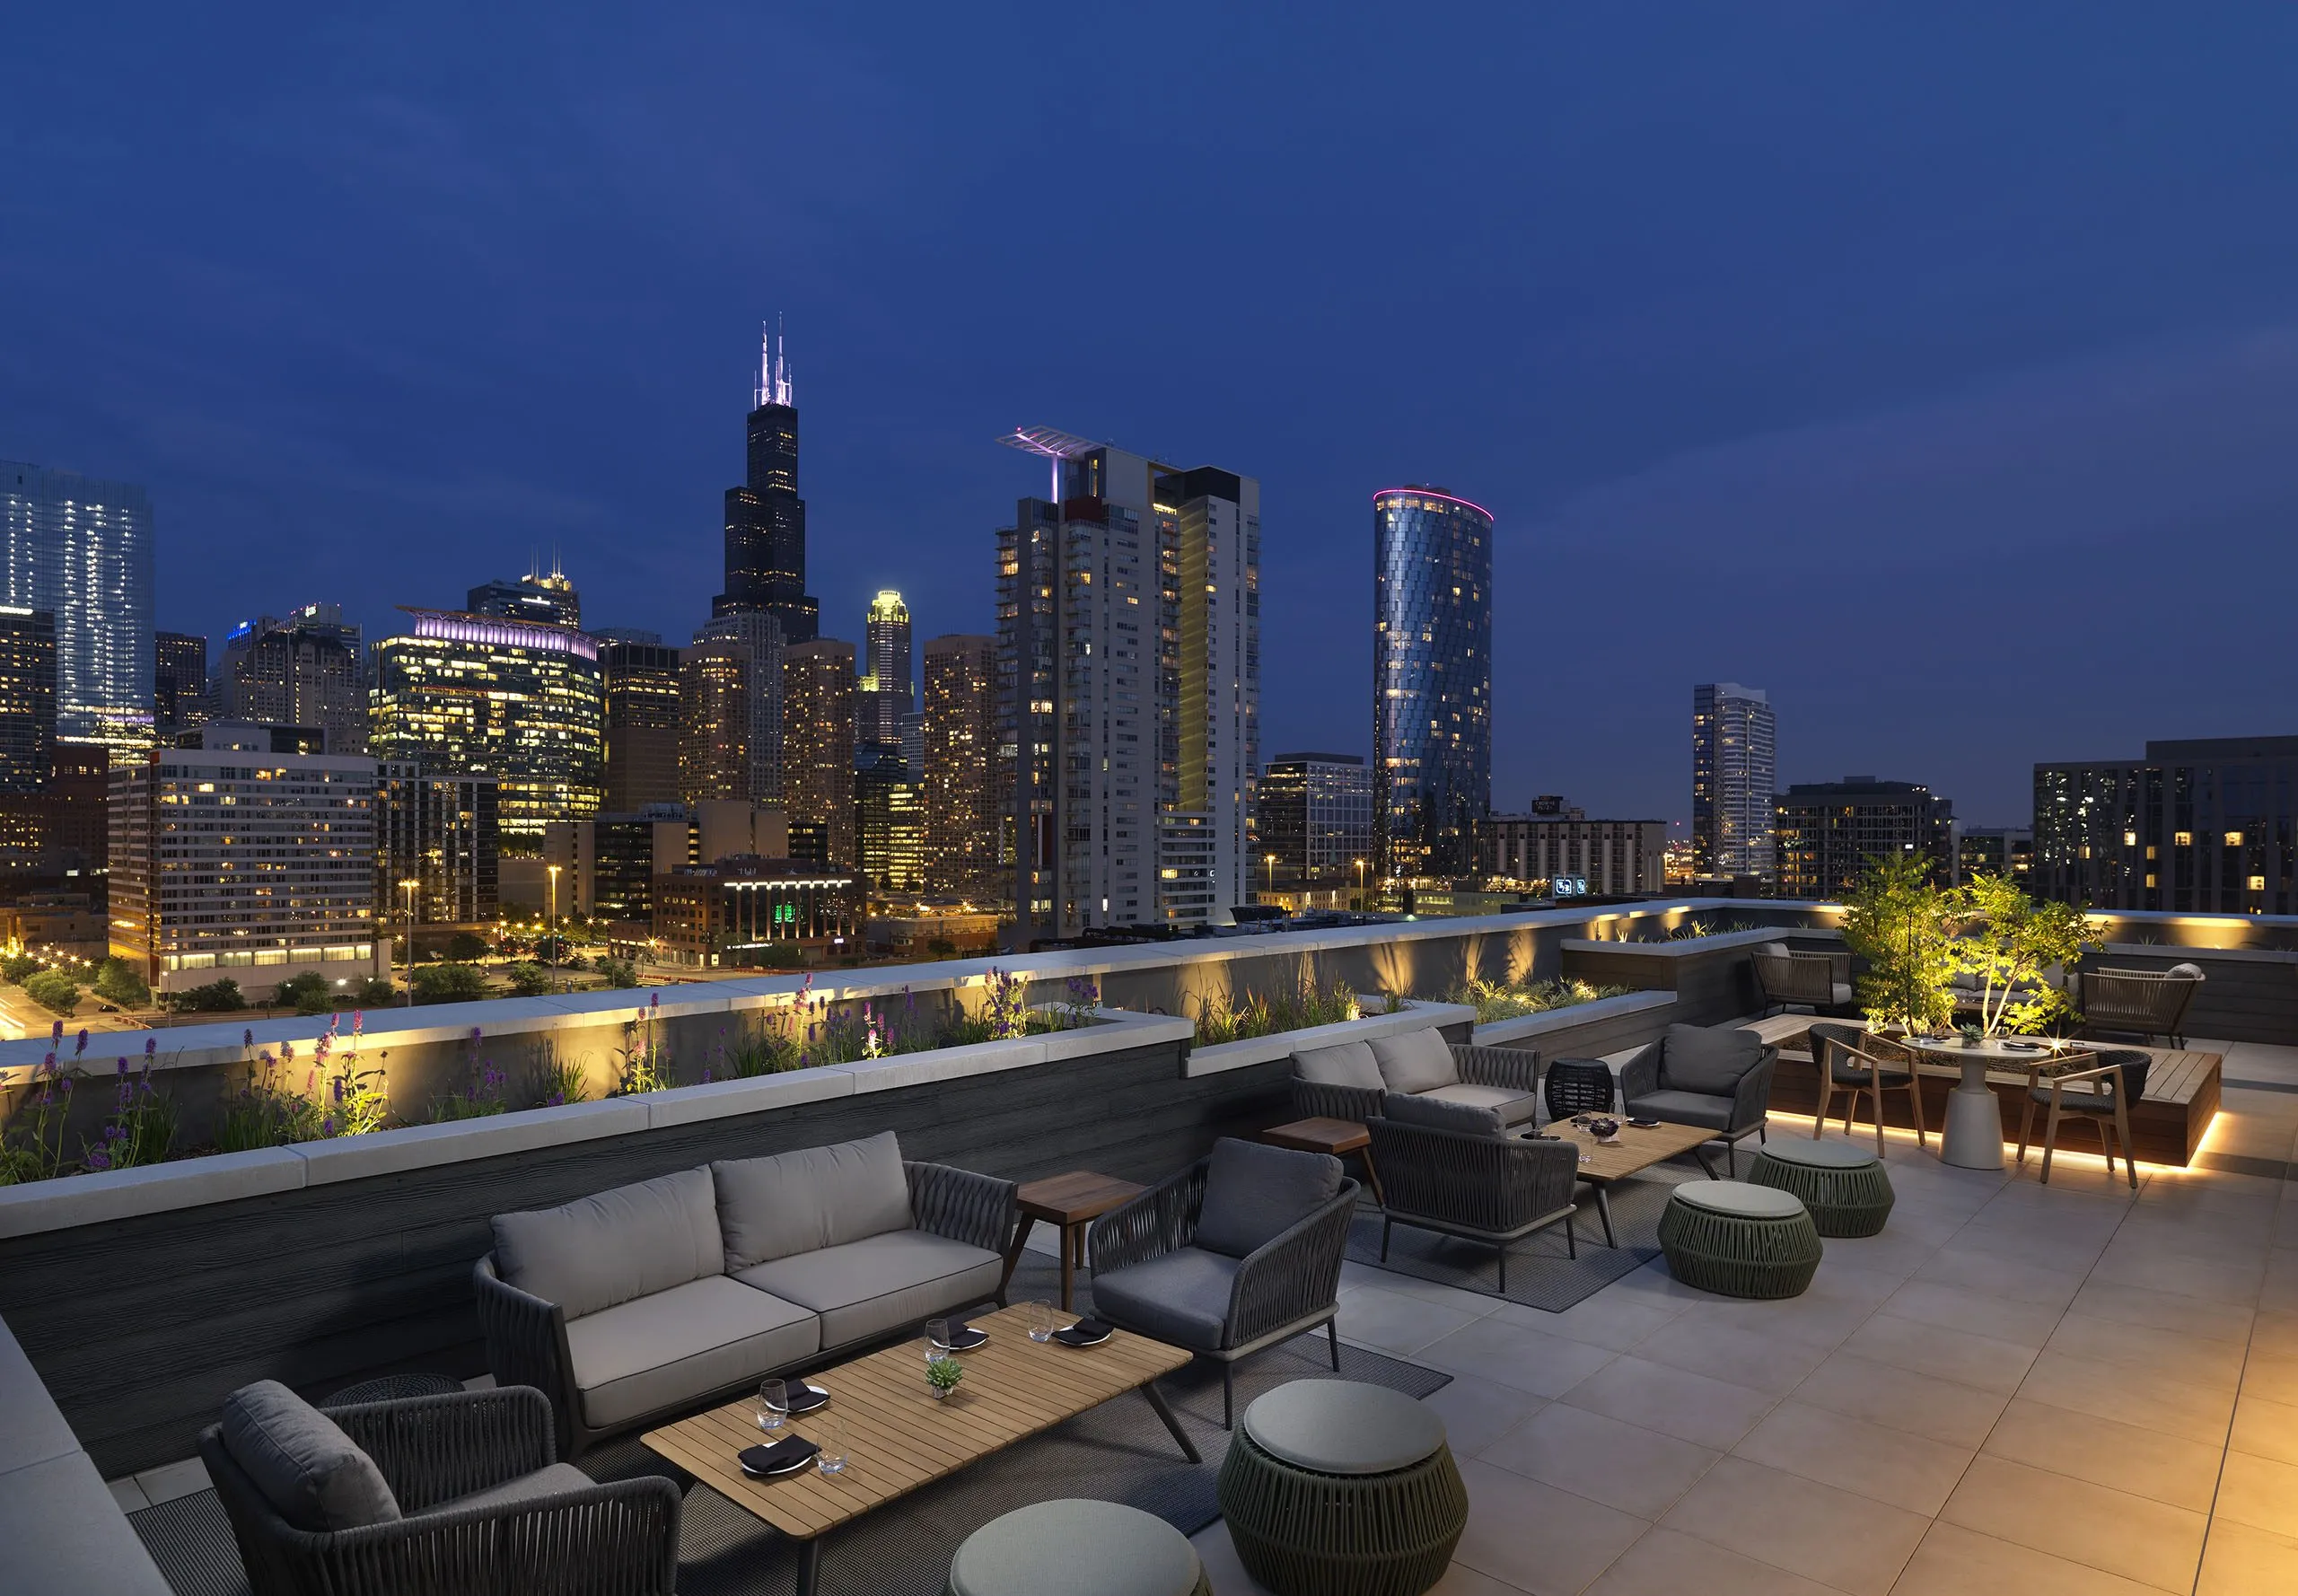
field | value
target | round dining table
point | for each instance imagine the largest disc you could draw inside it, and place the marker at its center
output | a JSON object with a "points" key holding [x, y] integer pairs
{"points": [[1972, 1137]]}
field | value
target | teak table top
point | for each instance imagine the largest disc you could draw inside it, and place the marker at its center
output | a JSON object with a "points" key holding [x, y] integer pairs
{"points": [[1079, 1195], [897, 1437], [1638, 1149], [1320, 1135]]}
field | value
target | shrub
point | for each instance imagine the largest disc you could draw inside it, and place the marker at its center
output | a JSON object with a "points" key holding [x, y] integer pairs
{"points": [[941, 947], [619, 972], [265, 1112], [1228, 1020], [1506, 1000], [528, 978], [118, 982], [20, 968], [374, 991], [142, 1129], [448, 983], [216, 997], [482, 1090], [53, 989], [465, 946], [306, 993]]}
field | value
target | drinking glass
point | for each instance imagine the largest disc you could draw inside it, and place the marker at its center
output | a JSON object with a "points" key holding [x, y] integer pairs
{"points": [[1040, 1319], [829, 1435], [773, 1404], [937, 1338]]}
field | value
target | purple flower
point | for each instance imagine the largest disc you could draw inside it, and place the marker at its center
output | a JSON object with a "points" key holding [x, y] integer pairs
{"points": [[247, 1036], [81, 1046], [151, 1046], [56, 1033], [98, 1160], [123, 1069]]}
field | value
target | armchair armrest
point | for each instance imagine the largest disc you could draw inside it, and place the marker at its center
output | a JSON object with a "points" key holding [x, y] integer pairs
{"points": [[1487, 1183], [1641, 1074], [431, 1448], [1161, 1220], [1751, 1100], [1293, 1275], [957, 1204], [1319, 1099], [1509, 1069], [526, 1344], [618, 1536]]}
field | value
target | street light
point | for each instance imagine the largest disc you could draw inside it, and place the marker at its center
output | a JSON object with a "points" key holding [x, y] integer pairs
{"points": [[552, 869], [408, 886], [1270, 860]]}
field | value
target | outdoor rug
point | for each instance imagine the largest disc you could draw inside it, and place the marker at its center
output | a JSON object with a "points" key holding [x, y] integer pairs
{"points": [[1117, 1452], [1540, 1274]]}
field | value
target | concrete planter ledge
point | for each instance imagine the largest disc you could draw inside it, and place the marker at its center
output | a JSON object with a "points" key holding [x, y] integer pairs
{"points": [[1415, 1016], [1683, 947], [2172, 953], [1531, 1027]]}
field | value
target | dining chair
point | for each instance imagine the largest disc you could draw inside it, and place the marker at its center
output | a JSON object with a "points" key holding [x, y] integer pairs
{"points": [[1852, 1061], [2102, 1094]]}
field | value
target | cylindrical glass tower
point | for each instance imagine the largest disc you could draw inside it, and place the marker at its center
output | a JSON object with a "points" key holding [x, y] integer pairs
{"points": [[1432, 679]]}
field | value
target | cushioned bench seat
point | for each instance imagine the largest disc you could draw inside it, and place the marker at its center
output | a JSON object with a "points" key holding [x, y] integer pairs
{"points": [[677, 1346], [869, 1287]]}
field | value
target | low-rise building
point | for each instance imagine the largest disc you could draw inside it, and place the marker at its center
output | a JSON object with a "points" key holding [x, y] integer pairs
{"points": [[1576, 856], [1827, 831], [752, 913]]}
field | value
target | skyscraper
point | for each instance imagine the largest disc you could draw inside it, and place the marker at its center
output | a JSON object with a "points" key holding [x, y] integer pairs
{"points": [[889, 837], [178, 680], [885, 699], [766, 520], [81, 549], [817, 743], [760, 634], [295, 675], [1316, 816], [474, 695], [27, 733], [536, 596], [1128, 770], [961, 812], [2201, 825], [1733, 775], [714, 700], [641, 683], [1432, 679], [441, 833]]}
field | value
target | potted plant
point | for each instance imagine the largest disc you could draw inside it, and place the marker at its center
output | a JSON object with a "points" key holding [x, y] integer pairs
{"points": [[1899, 922], [2017, 950], [942, 1376]]}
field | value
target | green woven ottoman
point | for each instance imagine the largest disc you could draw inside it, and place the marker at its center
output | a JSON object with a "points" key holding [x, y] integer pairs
{"points": [[1077, 1547], [1846, 1186], [1336, 1488], [1739, 1240]]}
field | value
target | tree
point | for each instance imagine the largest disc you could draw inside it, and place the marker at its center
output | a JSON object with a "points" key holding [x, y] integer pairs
{"points": [[216, 997], [374, 991], [941, 947], [448, 983], [1899, 922], [528, 978], [307, 993], [619, 972], [53, 989], [118, 982], [2012, 943], [465, 946], [20, 968]]}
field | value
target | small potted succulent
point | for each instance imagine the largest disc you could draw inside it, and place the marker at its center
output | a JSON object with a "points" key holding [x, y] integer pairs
{"points": [[942, 1376], [1972, 1035]]}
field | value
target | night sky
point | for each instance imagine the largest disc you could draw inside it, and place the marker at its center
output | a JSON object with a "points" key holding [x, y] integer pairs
{"points": [[1934, 366]]}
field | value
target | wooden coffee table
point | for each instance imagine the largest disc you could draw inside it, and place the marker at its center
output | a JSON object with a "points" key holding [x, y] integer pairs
{"points": [[1069, 1202], [1337, 1137], [897, 1437], [1639, 1149]]}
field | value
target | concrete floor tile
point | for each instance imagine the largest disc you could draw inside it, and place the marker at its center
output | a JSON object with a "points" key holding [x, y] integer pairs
{"points": [[2163, 1311], [1851, 1454], [2243, 1561], [2160, 1270], [1974, 1267], [2260, 1492], [1621, 1465], [1668, 1563], [170, 1480], [1710, 1412], [1477, 1412], [1902, 1399], [1851, 1542], [1702, 1344], [127, 1494], [2272, 1376], [2265, 1428], [1473, 1304], [2217, 1364], [2151, 1542], [1978, 1361], [2149, 1398], [1530, 1360], [1953, 1560], [1975, 1313], [2107, 1453], [1391, 1322], [1536, 1538], [1609, 1318]]}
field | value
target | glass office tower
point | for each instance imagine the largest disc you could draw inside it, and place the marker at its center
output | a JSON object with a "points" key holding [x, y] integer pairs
{"points": [[1734, 741], [82, 550], [1432, 679], [766, 520]]}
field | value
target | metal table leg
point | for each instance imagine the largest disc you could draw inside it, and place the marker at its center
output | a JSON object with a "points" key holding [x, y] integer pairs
{"points": [[1172, 1424], [1604, 1212], [810, 1565]]}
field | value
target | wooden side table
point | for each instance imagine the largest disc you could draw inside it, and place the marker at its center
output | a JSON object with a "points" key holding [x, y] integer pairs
{"points": [[1338, 1137], [1069, 1202]]}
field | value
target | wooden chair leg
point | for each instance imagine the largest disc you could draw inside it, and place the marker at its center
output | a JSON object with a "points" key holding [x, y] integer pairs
{"points": [[2050, 1138], [1876, 1077], [2106, 1141], [2026, 1127], [2122, 1135], [1820, 1115], [1915, 1106]]}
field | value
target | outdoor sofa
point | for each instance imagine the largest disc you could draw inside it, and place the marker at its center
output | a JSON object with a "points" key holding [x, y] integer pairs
{"points": [[652, 1300], [1348, 1080], [1718, 1077]]}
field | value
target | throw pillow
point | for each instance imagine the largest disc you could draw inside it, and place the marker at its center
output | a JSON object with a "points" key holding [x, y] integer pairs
{"points": [[1404, 1109], [628, 1242], [302, 1462], [1415, 1061], [2192, 972], [1350, 1064], [1695, 1058], [1254, 1194], [809, 1200]]}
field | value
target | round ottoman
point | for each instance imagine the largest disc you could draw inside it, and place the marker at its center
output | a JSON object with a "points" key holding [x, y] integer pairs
{"points": [[1846, 1186], [1738, 1239], [1336, 1488], [1077, 1549]]}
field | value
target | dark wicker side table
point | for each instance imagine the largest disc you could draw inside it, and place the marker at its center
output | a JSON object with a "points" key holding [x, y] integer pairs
{"points": [[1332, 1487], [1738, 1239], [1846, 1186], [394, 1388]]}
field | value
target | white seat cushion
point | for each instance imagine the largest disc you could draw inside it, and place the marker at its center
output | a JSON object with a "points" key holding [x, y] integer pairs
{"points": [[879, 1283], [677, 1346], [1511, 1107]]}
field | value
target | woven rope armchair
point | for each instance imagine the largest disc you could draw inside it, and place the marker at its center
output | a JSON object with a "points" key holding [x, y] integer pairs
{"points": [[2139, 1002], [616, 1539], [1487, 1189], [1818, 981], [1287, 1286], [1507, 1069]]}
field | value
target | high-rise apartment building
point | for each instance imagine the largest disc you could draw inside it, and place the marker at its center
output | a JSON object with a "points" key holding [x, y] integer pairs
{"points": [[959, 727], [766, 520], [27, 733], [817, 743], [640, 681], [2206, 825], [541, 596], [243, 863], [1733, 778], [1432, 679], [884, 698], [81, 550], [1995, 850], [1128, 691], [323, 619], [521, 701], [1827, 831], [1315, 816], [179, 682], [761, 633], [295, 675], [1576, 856], [888, 828], [715, 699], [441, 833]]}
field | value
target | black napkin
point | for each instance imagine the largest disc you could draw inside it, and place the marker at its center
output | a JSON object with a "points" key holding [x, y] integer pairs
{"points": [[1084, 1332], [785, 1453], [963, 1336]]}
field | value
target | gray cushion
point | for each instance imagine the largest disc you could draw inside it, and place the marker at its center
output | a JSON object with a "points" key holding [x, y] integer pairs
{"points": [[557, 1480], [1740, 1199], [1695, 1058], [1181, 1298], [1402, 1108], [881, 1282], [302, 1462], [2082, 1099], [1683, 1108], [614, 1247], [680, 1345], [1415, 1061], [1253, 1194], [1350, 1064], [1344, 1426], [1511, 1108], [1840, 994], [2192, 972], [1071, 1547], [1821, 1155], [818, 1196]]}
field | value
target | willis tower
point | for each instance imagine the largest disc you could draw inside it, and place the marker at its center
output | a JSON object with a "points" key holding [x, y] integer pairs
{"points": [[766, 520]]}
